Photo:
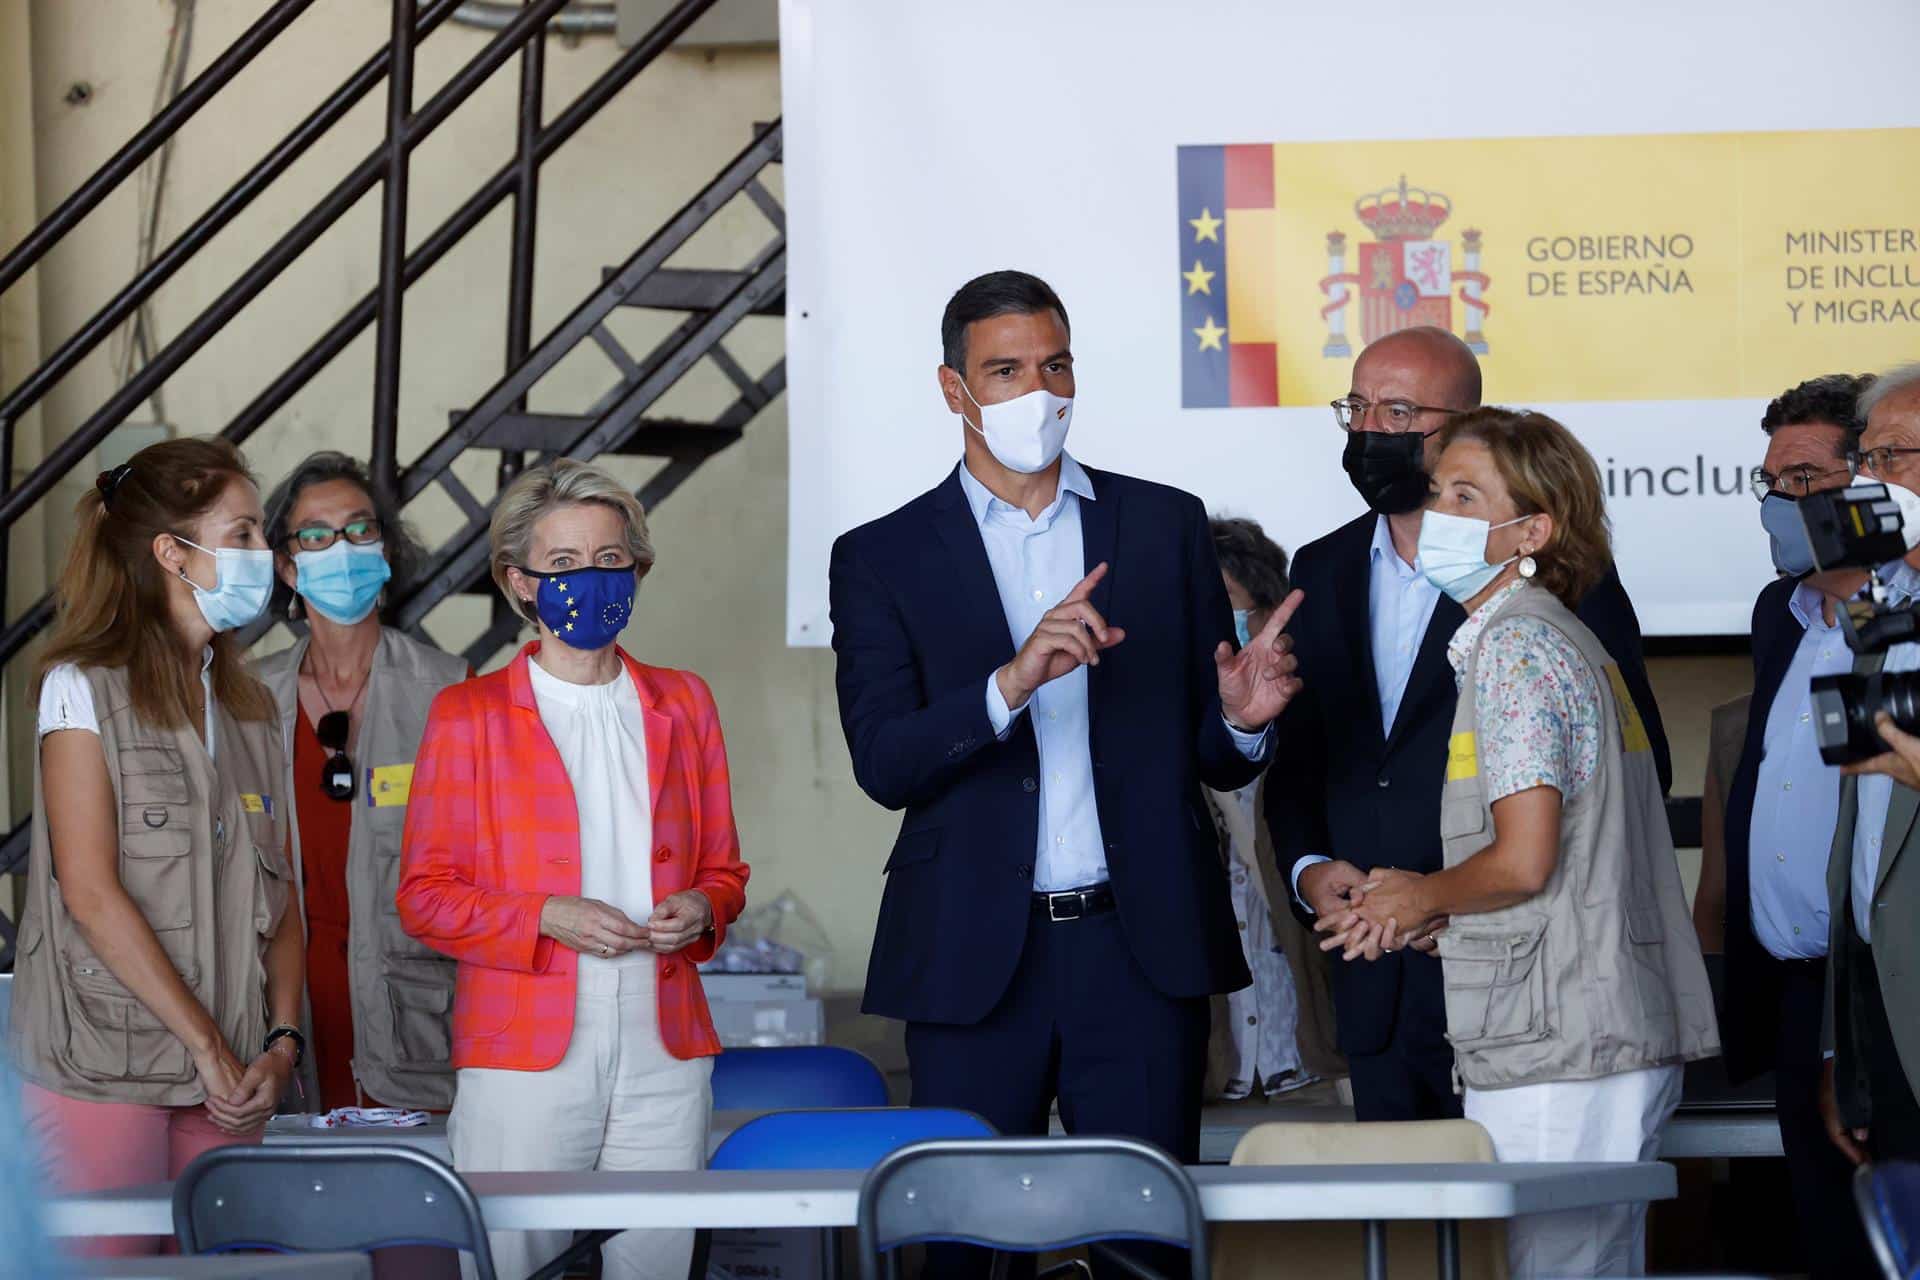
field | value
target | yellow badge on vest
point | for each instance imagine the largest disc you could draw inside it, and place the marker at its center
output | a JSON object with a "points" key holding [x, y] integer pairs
{"points": [[388, 785], [1633, 734], [1463, 757], [256, 802]]}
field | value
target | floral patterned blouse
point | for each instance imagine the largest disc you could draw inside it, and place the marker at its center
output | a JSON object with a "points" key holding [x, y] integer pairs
{"points": [[1539, 703]]}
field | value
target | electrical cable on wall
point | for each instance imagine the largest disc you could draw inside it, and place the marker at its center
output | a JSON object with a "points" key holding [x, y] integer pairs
{"points": [[141, 336]]}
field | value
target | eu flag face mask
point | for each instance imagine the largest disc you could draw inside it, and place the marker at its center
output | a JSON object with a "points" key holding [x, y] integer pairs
{"points": [[585, 608]]}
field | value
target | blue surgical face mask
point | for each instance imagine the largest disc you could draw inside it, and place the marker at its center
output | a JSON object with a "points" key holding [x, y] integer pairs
{"points": [[342, 583], [585, 608], [1786, 535], [1453, 553], [243, 582], [1242, 622]]}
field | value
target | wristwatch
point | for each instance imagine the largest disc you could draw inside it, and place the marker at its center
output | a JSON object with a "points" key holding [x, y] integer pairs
{"points": [[285, 1032]]}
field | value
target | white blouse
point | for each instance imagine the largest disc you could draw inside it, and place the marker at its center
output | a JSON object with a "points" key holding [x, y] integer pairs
{"points": [[602, 738]]}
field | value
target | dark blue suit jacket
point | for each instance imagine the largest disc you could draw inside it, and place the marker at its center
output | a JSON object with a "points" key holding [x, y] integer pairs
{"points": [[1751, 1018], [1345, 786], [918, 628]]}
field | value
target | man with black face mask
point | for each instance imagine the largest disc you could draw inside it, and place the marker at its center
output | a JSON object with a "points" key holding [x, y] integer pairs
{"points": [[1357, 775]]}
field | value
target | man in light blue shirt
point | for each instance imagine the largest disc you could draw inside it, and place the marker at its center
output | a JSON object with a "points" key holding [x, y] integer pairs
{"points": [[1783, 803], [1037, 561], [1036, 663]]}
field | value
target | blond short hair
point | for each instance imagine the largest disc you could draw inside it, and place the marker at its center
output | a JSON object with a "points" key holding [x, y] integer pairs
{"points": [[1547, 470], [540, 492]]}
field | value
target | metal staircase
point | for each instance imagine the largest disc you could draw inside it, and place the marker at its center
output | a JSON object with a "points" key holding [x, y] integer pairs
{"points": [[621, 420]]}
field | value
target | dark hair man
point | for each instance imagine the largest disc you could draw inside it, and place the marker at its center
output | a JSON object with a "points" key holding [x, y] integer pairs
{"points": [[1355, 784], [1035, 662], [1782, 804]]}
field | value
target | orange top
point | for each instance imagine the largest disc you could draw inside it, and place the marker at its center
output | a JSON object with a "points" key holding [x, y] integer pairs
{"points": [[492, 832], [325, 825]]}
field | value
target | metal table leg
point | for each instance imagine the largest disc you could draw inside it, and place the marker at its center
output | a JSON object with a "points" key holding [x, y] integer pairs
{"points": [[1376, 1251], [1449, 1233]]}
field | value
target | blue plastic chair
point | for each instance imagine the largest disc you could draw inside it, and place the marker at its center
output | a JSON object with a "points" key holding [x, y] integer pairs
{"points": [[1888, 1195], [840, 1139], [832, 1139], [812, 1075]]}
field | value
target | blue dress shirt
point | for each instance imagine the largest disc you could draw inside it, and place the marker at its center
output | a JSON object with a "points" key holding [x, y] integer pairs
{"points": [[1400, 604], [1876, 789], [1036, 561], [1796, 797]]}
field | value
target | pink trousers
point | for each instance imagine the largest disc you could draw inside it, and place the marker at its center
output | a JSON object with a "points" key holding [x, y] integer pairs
{"points": [[96, 1146]]}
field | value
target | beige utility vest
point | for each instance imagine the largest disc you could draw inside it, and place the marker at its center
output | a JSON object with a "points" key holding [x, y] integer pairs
{"points": [[203, 855], [1599, 973], [401, 990]]}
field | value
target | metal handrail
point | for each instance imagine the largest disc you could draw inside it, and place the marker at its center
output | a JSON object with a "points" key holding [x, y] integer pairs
{"points": [[509, 180], [268, 266], [229, 206], [128, 159]]}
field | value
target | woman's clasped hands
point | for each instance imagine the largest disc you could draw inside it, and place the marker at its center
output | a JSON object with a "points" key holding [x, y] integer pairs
{"points": [[1383, 915]]}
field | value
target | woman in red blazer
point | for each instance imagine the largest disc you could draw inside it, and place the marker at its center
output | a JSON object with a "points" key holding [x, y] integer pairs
{"points": [[570, 841]]}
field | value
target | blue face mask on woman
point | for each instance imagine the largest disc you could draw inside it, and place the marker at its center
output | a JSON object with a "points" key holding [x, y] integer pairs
{"points": [[343, 582], [243, 582], [585, 608], [1453, 553]]}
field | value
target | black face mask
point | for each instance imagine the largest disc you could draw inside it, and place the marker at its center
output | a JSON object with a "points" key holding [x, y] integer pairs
{"points": [[1388, 469]]}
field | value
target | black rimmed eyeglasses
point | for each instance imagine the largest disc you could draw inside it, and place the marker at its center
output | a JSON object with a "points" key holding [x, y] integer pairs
{"points": [[318, 537]]}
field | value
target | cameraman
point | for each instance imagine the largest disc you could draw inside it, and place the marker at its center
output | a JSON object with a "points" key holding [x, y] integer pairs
{"points": [[1873, 987], [1782, 805]]}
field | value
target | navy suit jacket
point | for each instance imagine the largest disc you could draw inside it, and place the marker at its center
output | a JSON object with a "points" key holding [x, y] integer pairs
{"points": [[1751, 1019], [917, 629], [1345, 786]]}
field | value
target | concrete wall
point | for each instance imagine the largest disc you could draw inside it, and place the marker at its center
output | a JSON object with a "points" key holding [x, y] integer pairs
{"points": [[714, 604]]}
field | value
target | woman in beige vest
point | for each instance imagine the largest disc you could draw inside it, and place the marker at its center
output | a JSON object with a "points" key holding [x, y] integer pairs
{"points": [[1574, 984], [159, 972], [353, 696]]}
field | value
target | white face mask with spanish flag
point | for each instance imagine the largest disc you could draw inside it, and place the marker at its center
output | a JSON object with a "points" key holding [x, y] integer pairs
{"points": [[1026, 433]]}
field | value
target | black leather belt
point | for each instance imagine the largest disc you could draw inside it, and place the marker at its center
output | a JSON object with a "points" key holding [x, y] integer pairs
{"points": [[1071, 904]]}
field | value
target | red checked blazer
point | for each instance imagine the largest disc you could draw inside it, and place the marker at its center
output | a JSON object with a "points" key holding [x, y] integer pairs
{"points": [[492, 832]]}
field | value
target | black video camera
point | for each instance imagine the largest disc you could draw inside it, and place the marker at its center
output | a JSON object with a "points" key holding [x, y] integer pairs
{"points": [[1860, 527]]}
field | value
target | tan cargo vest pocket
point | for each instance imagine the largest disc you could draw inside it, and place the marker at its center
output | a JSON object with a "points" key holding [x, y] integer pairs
{"points": [[1495, 986], [420, 995], [156, 834], [271, 889], [112, 1036], [1647, 953]]}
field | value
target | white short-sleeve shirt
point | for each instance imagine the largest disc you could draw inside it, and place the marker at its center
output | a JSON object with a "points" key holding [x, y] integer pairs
{"points": [[66, 700]]}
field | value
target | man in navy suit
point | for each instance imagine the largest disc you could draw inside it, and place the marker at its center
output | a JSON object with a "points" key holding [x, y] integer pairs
{"points": [[1360, 756], [1035, 664], [1782, 806]]}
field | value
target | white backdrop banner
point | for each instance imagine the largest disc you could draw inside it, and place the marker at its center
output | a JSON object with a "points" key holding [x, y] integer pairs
{"points": [[1647, 218]]}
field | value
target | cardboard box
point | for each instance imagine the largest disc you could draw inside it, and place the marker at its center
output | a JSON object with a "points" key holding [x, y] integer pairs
{"points": [[765, 1024], [754, 986]]}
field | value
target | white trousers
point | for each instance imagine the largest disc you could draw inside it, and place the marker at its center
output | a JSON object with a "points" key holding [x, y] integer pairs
{"points": [[617, 1100], [1615, 1118]]}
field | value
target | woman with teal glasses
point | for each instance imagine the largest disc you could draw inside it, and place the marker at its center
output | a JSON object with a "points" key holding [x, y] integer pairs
{"points": [[353, 695]]}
